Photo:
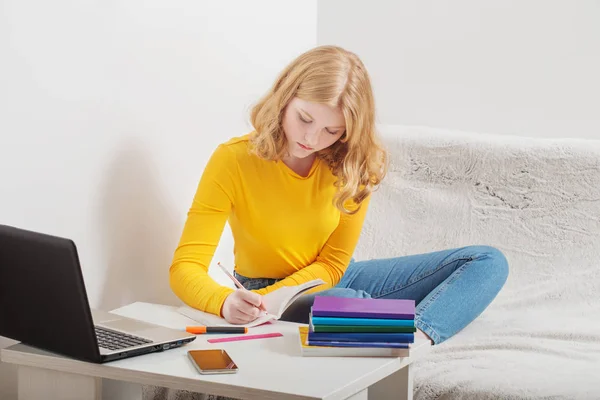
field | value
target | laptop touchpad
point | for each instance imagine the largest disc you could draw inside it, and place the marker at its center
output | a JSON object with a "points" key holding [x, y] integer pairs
{"points": [[127, 325]]}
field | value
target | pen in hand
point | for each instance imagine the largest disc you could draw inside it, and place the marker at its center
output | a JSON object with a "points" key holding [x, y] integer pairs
{"points": [[238, 284]]}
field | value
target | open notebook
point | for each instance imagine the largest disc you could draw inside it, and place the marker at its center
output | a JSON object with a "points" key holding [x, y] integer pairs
{"points": [[276, 302]]}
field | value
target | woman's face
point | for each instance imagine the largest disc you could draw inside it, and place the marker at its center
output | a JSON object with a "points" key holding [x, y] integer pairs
{"points": [[311, 127]]}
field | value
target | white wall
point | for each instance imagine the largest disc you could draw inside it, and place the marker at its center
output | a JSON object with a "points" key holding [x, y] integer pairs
{"points": [[525, 67], [108, 112]]}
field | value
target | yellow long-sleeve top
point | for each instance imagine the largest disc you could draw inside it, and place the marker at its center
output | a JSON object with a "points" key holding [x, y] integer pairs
{"points": [[284, 226]]}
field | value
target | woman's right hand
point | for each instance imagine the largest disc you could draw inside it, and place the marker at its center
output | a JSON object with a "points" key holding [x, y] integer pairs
{"points": [[242, 306]]}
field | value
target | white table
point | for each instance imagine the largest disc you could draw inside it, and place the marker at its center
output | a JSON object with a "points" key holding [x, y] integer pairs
{"points": [[268, 369]]}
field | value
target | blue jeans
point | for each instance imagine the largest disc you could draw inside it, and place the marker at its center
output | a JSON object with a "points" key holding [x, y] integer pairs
{"points": [[450, 287]]}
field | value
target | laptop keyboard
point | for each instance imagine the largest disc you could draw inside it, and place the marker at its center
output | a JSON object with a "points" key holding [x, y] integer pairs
{"points": [[113, 340]]}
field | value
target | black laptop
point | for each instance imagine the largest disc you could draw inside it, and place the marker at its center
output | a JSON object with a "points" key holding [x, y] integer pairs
{"points": [[43, 303]]}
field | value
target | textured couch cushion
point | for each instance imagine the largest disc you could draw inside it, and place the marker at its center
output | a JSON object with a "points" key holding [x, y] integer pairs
{"points": [[538, 201]]}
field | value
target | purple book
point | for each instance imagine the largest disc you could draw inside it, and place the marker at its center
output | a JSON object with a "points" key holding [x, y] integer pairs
{"points": [[329, 306]]}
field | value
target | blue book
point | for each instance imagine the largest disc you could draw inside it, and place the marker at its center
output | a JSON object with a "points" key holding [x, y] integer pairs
{"points": [[350, 349], [362, 321], [361, 337], [359, 344]]}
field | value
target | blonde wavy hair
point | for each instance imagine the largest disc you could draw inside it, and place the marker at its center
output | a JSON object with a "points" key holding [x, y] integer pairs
{"points": [[334, 76]]}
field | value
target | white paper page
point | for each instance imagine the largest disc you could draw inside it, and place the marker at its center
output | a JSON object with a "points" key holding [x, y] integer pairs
{"points": [[276, 302], [208, 319]]}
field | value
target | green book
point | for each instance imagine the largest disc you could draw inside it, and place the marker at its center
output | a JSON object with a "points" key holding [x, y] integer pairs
{"points": [[364, 329]]}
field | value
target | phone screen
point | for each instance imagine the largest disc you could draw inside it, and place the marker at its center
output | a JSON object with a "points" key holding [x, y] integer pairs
{"points": [[212, 361]]}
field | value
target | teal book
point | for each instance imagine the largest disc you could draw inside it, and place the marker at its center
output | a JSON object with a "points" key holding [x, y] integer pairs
{"points": [[340, 321], [380, 337]]}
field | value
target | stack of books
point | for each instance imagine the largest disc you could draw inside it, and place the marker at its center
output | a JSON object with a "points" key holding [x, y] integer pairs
{"points": [[359, 327]]}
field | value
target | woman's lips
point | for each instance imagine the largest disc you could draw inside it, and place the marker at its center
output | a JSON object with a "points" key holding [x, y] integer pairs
{"points": [[304, 147]]}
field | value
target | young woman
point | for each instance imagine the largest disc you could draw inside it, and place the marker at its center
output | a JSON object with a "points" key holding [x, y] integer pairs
{"points": [[295, 192]]}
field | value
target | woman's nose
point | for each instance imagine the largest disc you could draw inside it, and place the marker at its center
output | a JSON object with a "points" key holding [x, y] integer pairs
{"points": [[312, 137]]}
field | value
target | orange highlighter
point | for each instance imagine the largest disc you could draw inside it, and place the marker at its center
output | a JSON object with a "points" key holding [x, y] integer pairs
{"points": [[197, 330]]}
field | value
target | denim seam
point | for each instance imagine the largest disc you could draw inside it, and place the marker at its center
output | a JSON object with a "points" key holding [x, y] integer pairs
{"points": [[420, 278], [432, 333], [423, 306]]}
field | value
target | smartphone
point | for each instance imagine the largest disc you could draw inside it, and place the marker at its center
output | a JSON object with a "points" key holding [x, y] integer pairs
{"points": [[215, 361]]}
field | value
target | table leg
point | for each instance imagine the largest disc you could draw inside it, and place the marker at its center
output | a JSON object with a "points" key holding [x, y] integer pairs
{"points": [[398, 385], [362, 395], [38, 383], [119, 390]]}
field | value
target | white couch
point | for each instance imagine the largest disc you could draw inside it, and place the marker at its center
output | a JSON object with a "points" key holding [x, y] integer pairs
{"points": [[538, 201]]}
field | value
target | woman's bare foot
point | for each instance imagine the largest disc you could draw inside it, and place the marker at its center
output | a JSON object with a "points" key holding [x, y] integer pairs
{"points": [[420, 333]]}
